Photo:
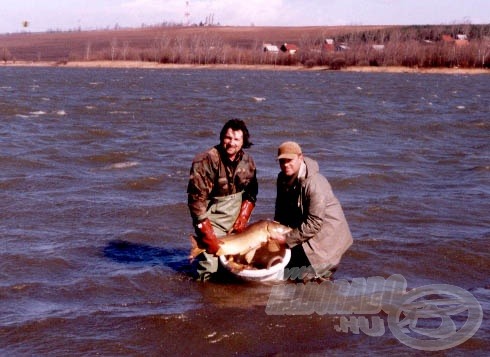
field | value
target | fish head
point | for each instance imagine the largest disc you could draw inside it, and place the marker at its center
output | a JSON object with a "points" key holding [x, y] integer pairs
{"points": [[277, 231]]}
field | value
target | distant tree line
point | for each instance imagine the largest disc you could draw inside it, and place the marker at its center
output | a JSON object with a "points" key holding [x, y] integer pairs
{"points": [[411, 46]]}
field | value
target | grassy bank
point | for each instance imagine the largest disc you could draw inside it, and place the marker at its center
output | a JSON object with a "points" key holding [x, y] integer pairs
{"points": [[154, 65]]}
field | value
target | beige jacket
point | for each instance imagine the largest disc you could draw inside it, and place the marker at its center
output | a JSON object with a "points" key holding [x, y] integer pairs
{"points": [[316, 216]]}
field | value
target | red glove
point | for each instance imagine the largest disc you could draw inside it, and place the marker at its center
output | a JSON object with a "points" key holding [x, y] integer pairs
{"points": [[208, 238], [243, 217]]}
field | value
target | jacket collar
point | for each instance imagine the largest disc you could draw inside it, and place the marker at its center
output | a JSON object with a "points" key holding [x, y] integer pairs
{"points": [[302, 172]]}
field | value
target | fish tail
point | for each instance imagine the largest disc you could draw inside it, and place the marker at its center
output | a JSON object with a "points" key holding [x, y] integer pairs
{"points": [[195, 249]]}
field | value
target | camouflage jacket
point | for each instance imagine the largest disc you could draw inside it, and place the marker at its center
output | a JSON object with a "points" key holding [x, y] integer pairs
{"points": [[213, 175]]}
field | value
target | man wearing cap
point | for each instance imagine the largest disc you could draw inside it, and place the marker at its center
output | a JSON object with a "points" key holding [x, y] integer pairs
{"points": [[222, 191], [305, 202]]}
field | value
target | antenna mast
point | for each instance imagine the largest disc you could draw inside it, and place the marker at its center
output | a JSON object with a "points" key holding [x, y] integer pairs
{"points": [[187, 14]]}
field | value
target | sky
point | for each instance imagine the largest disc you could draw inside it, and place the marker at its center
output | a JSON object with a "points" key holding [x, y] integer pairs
{"points": [[55, 15]]}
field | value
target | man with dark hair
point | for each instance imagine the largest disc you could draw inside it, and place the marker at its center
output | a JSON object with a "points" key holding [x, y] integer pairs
{"points": [[222, 192]]}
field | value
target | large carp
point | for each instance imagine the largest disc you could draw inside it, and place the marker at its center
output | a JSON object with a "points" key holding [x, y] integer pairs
{"points": [[247, 242]]}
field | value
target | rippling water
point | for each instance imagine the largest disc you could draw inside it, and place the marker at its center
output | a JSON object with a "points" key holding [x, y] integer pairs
{"points": [[94, 223]]}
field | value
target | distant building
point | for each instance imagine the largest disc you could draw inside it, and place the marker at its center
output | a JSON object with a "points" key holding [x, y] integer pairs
{"points": [[270, 48], [447, 38], [329, 45], [341, 47], [379, 47], [460, 40], [289, 48]]}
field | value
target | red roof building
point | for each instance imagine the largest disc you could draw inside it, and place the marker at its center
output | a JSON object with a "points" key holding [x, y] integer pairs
{"points": [[289, 48]]}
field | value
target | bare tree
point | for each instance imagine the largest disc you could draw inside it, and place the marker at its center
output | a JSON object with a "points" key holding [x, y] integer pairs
{"points": [[113, 49], [6, 55], [88, 48], [125, 50]]}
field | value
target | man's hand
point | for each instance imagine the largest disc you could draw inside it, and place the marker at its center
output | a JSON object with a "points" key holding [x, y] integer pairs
{"points": [[243, 217], [281, 238]]}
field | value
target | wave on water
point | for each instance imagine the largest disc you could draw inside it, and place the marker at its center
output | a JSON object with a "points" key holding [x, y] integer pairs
{"points": [[122, 165], [120, 112], [479, 168], [22, 163], [99, 132], [38, 113], [369, 180], [144, 183], [111, 157]]}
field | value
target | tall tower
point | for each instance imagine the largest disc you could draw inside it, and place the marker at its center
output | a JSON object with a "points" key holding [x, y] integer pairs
{"points": [[187, 14]]}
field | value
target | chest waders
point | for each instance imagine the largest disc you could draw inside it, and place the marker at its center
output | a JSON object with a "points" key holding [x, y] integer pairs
{"points": [[222, 212]]}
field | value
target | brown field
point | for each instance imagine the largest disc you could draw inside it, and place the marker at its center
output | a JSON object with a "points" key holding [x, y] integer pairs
{"points": [[405, 48], [57, 46]]}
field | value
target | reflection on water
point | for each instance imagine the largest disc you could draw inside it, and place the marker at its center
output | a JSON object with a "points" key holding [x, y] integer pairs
{"points": [[128, 252]]}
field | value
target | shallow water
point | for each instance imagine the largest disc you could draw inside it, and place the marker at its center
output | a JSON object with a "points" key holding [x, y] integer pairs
{"points": [[94, 233]]}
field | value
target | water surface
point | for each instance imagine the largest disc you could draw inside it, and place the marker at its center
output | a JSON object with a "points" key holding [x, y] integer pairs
{"points": [[94, 232]]}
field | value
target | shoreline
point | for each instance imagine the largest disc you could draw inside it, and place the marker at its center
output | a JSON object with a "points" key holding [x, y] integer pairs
{"points": [[153, 65]]}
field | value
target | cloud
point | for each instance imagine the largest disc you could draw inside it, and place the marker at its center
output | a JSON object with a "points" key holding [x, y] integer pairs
{"points": [[70, 14], [249, 12]]}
